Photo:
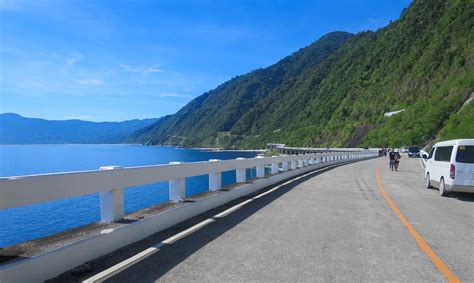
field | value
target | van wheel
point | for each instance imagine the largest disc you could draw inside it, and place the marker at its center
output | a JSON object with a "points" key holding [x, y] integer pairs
{"points": [[428, 181], [442, 188]]}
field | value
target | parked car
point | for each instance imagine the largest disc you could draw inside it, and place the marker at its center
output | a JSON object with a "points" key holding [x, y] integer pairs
{"points": [[450, 166], [413, 151], [404, 149]]}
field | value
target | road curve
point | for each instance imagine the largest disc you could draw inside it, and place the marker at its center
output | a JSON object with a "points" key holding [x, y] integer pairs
{"points": [[333, 226]]}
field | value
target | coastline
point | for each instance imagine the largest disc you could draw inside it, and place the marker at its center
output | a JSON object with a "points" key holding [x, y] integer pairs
{"points": [[216, 149], [205, 149]]}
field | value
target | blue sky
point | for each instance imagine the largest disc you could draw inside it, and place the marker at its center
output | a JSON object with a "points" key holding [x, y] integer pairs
{"points": [[119, 60]]}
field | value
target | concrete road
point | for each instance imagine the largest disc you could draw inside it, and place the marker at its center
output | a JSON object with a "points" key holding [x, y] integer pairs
{"points": [[333, 226]]}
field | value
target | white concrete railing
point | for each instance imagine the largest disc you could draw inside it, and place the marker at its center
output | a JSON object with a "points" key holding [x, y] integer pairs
{"points": [[110, 181]]}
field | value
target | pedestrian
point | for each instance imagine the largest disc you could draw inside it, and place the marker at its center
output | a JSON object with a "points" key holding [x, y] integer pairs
{"points": [[397, 159], [391, 157]]}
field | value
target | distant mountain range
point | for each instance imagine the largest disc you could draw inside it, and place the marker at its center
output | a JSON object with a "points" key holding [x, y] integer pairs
{"points": [[335, 91], [16, 129]]}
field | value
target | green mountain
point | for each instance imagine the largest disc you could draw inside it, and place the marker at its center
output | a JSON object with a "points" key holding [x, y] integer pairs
{"points": [[335, 92], [16, 129]]}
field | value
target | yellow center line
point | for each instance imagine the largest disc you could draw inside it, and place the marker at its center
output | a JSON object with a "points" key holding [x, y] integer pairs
{"points": [[437, 261]]}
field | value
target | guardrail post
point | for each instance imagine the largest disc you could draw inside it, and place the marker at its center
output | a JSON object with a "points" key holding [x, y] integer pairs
{"points": [[284, 166], [275, 167], [111, 203], [176, 188], [240, 176], [293, 164], [215, 179], [260, 169], [300, 163]]}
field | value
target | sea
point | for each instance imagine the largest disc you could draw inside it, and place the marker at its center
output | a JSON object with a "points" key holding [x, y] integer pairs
{"points": [[30, 222]]}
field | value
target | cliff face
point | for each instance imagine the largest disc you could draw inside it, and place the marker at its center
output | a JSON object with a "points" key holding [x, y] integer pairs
{"points": [[335, 91]]}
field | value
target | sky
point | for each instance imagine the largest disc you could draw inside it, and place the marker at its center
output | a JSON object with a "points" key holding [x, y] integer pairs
{"points": [[117, 60]]}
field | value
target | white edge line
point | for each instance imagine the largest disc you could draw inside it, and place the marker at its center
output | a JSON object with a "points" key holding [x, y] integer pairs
{"points": [[111, 271]]}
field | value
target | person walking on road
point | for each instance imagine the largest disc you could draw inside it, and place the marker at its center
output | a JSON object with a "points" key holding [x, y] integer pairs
{"points": [[391, 157], [397, 159]]}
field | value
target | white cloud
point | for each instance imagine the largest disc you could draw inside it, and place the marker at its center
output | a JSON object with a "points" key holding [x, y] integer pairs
{"points": [[76, 57], [144, 70], [30, 84], [170, 94], [90, 82], [9, 5], [79, 118]]}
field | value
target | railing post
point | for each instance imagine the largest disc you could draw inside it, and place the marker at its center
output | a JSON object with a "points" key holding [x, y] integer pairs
{"points": [[275, 167], [240, 176], [260, 169], [176, 188], [215, 179], [111, 203], [293, 164], [284, 166]]}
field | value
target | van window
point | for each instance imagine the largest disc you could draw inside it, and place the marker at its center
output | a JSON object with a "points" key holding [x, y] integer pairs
{"points": [[431, 153], [443, 153], [465, 154]]}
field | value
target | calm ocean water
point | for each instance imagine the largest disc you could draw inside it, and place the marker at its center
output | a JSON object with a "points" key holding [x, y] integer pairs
{"points": [[30, 222]]}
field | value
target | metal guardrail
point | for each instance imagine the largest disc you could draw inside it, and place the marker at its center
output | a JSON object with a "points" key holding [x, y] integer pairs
{"points": [[110, 181], [282, 148]]}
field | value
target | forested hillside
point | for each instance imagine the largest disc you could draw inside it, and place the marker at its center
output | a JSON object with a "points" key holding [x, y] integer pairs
{"points": [[335, 92], [16, 129]]}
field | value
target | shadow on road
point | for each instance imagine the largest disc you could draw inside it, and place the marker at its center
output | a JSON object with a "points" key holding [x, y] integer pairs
{"points": [[158, 264], [463, 196], [469, 197]]}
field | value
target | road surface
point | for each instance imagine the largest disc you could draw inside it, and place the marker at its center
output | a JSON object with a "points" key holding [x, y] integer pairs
{"points": [[335, 225]]}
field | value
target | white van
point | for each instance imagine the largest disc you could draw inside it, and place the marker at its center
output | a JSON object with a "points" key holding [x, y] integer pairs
{"points": [[450, 166]]}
